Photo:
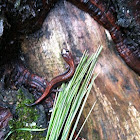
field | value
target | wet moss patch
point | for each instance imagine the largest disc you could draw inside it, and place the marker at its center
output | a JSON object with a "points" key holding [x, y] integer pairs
{"points": [[25, 117]]}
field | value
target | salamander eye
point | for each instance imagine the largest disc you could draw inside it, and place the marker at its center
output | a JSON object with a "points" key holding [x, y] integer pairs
{"points": [[64, 51], [67, 51]]}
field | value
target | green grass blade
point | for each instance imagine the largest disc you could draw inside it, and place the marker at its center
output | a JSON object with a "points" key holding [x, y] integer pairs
{"points": [[86, 119], [24, 129], [72, 95], [83, 104]]}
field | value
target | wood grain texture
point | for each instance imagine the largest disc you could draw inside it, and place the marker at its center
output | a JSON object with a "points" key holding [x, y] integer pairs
{"points": [[117, 88]]}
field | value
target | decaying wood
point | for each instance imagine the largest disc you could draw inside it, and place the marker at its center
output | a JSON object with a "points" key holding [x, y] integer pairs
{"points": [[117, 88]]}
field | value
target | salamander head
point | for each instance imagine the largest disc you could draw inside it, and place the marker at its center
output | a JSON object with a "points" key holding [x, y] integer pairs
{"points": [[67, 56]]}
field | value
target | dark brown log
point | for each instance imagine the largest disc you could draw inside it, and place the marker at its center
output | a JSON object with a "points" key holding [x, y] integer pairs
{"points": [[117, 88]]}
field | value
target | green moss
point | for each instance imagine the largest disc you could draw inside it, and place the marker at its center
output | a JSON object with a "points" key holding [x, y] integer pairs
{"points": [[26, 117]]}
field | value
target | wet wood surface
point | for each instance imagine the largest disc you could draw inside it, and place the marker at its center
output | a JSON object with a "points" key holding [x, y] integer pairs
{"points": [[117, 88]]}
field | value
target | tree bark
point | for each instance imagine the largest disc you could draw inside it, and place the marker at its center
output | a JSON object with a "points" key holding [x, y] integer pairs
{"points": [[117, 88]]}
